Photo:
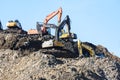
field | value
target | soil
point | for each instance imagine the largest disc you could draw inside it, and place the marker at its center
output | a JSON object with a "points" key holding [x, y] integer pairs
{"points": [[22, 59]]}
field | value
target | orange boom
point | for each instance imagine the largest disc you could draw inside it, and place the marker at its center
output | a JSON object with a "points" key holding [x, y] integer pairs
{"points": [[48, 17]]}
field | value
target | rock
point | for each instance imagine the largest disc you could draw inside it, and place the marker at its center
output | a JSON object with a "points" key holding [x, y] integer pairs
{"points": [[22, 59], [2, 40], [40, 66]]}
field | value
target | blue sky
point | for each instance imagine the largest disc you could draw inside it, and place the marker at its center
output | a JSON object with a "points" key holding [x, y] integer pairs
{"points": [[95, 21]]}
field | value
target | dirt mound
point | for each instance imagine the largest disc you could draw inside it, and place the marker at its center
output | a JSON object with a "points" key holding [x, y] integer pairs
{"points": [[40, 66], [22, 59], [19, 42]]}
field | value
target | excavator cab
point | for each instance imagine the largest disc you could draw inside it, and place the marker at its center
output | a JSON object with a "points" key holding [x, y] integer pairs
{"points": [[48, 27], [14, 27]]}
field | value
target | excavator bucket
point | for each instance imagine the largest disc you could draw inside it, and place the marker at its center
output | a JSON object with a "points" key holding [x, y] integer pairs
{"points": [[86, 48], [79, 48]]}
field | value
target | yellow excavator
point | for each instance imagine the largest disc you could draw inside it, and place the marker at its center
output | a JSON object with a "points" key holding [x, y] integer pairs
{"points": [[61, 39], [14, 27], [14, 24], [65, 40]]}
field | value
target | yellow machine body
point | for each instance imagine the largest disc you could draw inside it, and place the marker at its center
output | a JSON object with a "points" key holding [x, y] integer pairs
{"points": [[64, 35], [11, 24]]}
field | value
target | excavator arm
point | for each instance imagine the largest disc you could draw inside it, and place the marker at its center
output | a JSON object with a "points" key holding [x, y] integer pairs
{"points": [[50, 16], [66, 21]]}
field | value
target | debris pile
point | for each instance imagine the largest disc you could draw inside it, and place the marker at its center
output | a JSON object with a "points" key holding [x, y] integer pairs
{"points": [[33, 64]]}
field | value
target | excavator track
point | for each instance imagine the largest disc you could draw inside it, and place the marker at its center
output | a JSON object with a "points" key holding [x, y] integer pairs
{"points": [[68, 50], [58, 52], [18, 31]]}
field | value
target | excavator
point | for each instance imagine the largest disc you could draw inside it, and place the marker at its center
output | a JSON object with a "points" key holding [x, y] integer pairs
{"points": [[65, 40], [14, 27], [60, 34], [43, 28]]}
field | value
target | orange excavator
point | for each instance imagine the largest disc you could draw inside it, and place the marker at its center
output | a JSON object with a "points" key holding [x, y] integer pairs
{"points": [[43, 28], [50, 16]]}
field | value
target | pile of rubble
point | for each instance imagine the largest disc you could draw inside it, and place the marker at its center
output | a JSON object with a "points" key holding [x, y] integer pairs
{"points": [[18, 41], [18, 62]]}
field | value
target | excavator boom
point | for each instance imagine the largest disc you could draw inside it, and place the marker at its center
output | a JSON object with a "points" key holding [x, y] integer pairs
{"points": [[66, 21], [65, 34], [50, 16]]}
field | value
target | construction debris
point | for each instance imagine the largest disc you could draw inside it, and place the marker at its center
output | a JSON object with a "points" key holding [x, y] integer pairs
{"points": [[39, 66]]}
